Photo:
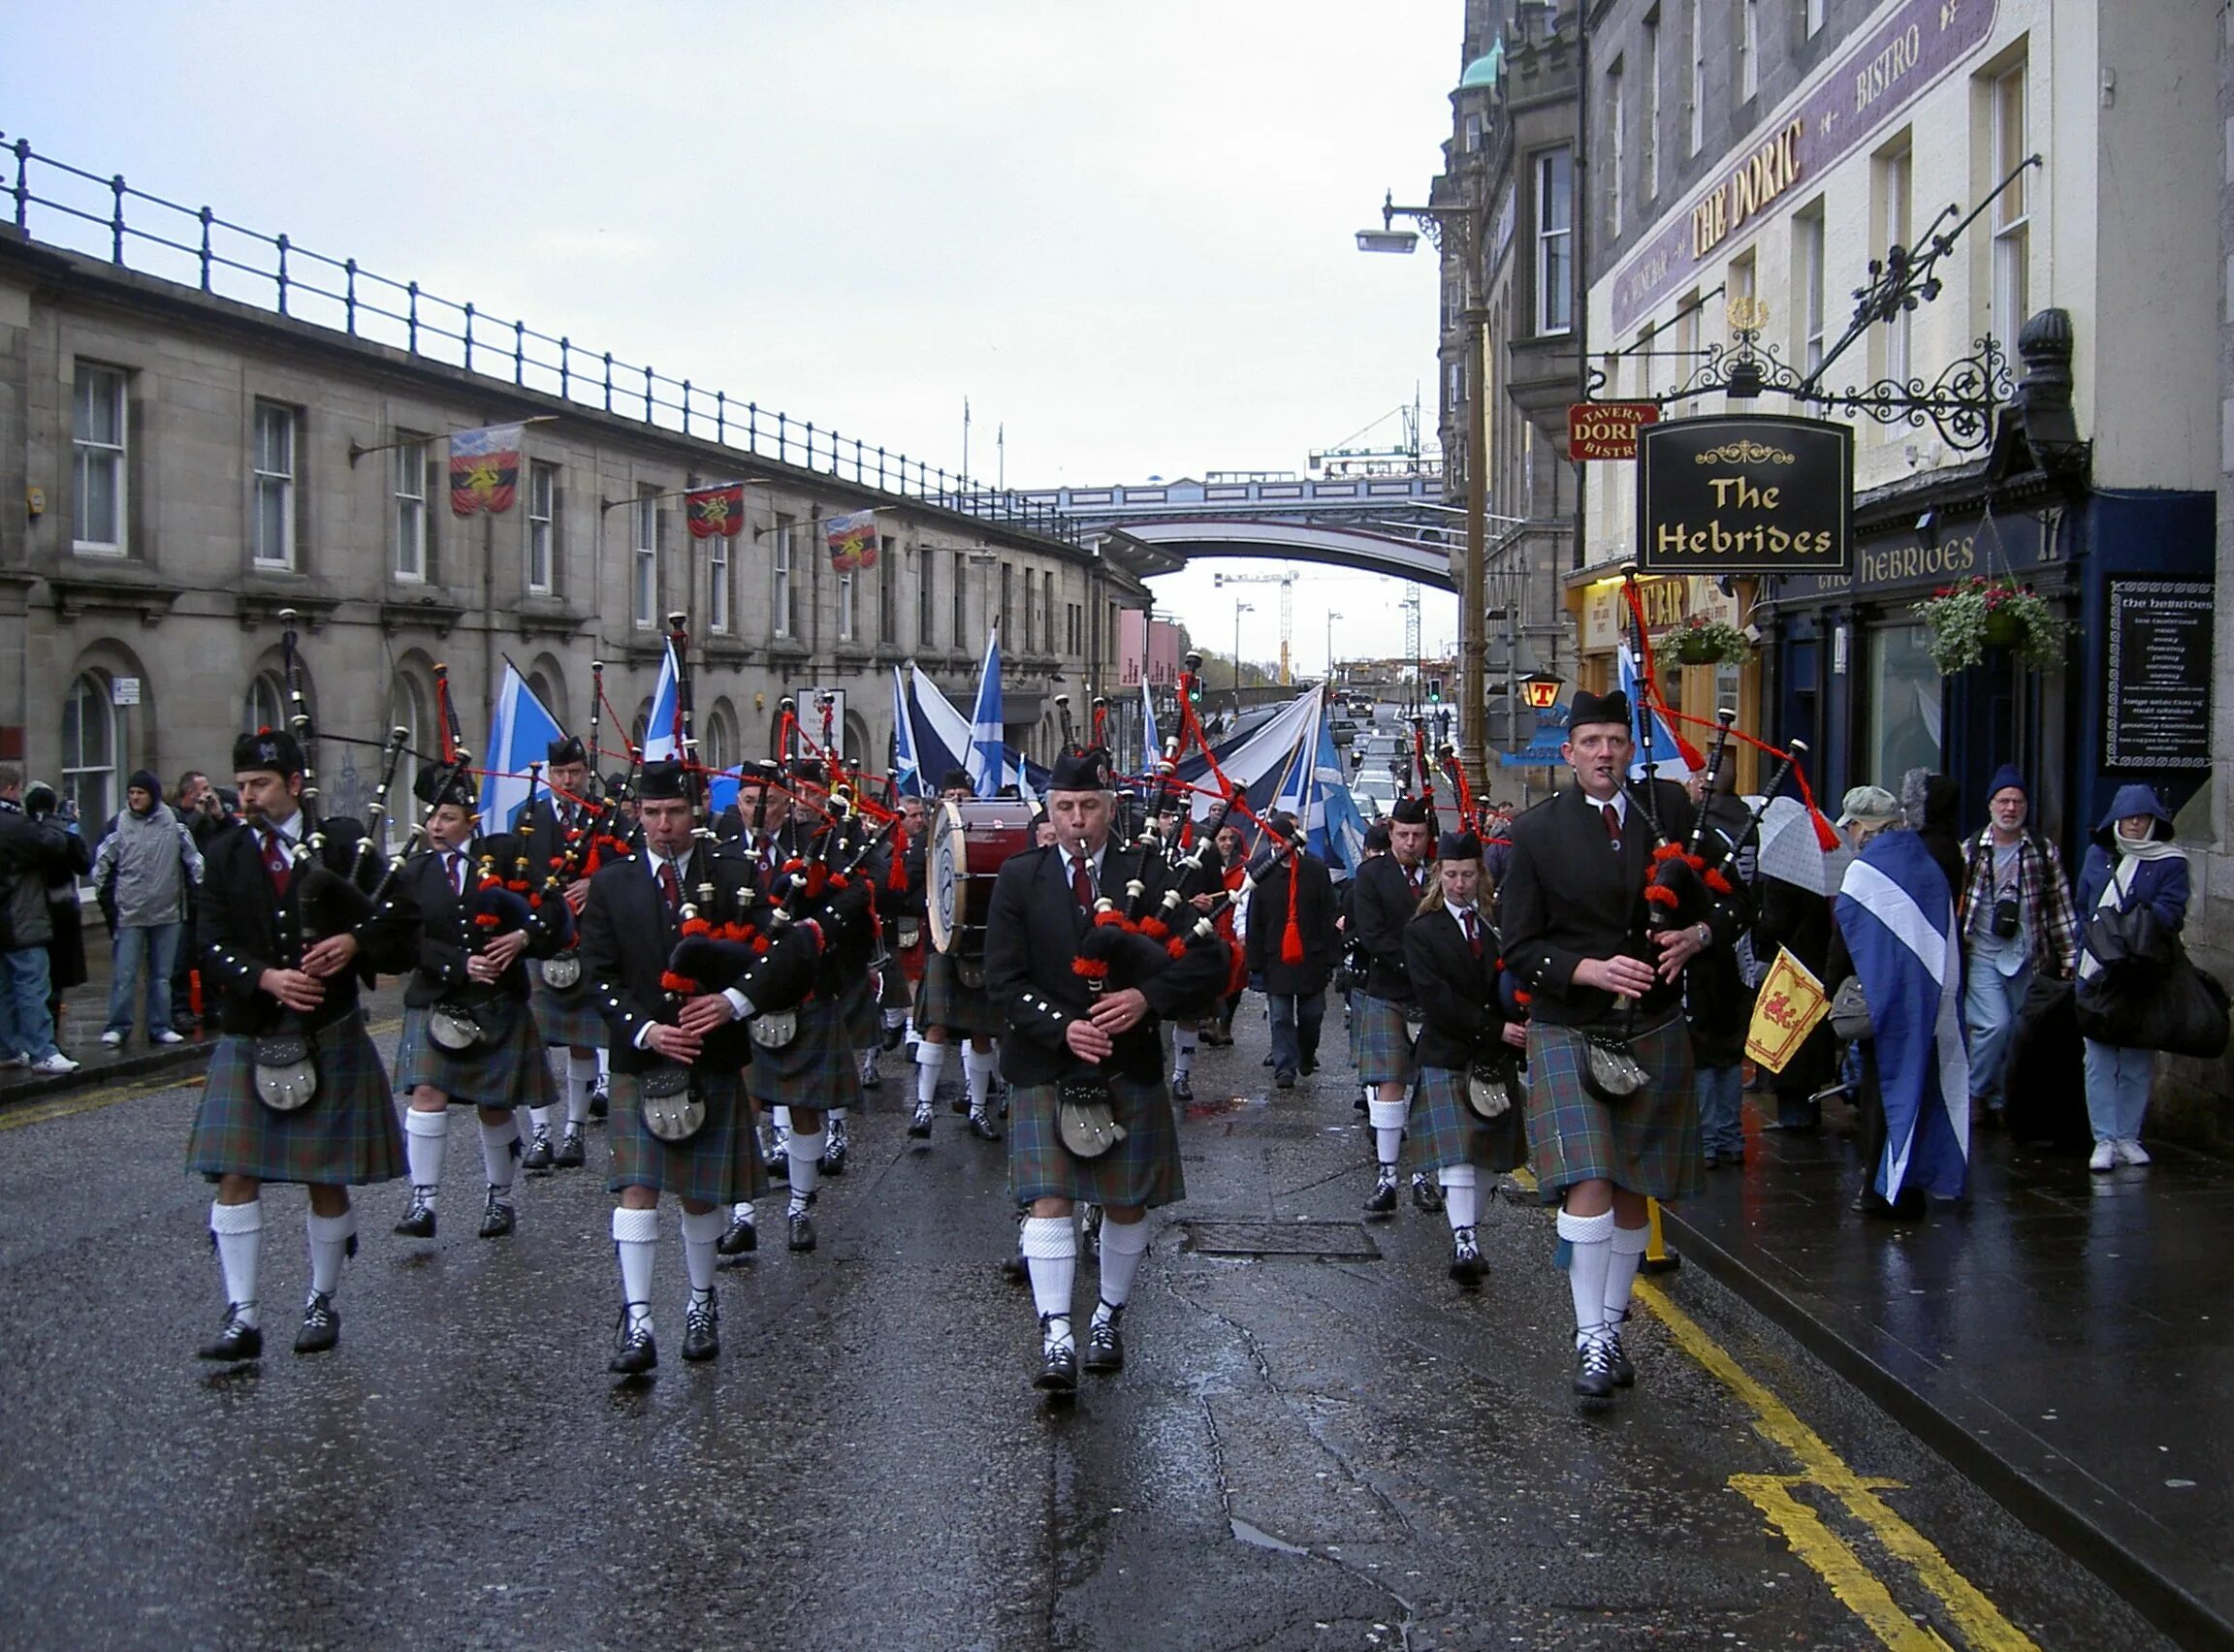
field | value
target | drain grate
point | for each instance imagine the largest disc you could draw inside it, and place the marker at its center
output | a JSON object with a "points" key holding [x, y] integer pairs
{"points": [[1324, 1241]]}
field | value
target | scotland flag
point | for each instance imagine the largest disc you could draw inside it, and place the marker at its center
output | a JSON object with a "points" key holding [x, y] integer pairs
{"points": [[907, 770], [519, 734], [1898, 917], [1151, 748], [988, 735], [663, 727]]}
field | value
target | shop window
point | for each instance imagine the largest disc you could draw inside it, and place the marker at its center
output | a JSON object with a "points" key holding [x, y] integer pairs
{"points": [[92, 734], [1904, 705]]}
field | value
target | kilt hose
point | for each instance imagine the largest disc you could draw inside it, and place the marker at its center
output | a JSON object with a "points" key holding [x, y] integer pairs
{"points": [[944, 1002], [346, 1135], [509, 1071], [718, 1166], [1142, 1170], [1384, 1041], [815, 1070], [1648, 1143], [1444, 1131], [568, 1017]]}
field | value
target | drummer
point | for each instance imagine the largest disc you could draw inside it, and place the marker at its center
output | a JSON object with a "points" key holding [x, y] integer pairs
{"points": [[951, 1006]]}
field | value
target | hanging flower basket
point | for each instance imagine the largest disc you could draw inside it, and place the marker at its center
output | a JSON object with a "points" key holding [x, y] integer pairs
{"points": [[1966, 620], [1701, 641]]}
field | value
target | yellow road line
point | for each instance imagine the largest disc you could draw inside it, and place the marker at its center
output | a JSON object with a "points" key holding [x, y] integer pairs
{"points": [[1815, 1543]]}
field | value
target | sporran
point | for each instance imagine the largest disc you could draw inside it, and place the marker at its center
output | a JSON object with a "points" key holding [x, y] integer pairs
{"points": [[286, 1071], [673, 1109]]}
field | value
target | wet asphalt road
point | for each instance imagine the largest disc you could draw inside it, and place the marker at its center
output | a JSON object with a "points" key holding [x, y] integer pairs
{"points": [[1301, 1453]]}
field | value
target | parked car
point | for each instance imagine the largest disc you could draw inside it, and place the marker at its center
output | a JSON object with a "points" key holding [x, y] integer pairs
{"points": [[1375, 790]]}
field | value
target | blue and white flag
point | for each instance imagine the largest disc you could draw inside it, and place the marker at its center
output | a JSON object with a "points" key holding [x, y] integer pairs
{"points": [[987, 761], [943, 741], [663, 727], [1668, 762], [1337, 829], [1898, 917], [1255, 762], [1151, 744], [907, 772], [519, 734]]}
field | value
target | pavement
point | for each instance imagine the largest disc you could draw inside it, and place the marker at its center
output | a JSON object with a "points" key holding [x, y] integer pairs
{"points": [[1318, 1441]]}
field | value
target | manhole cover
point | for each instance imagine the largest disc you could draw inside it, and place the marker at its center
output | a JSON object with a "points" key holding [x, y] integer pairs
{"points": [[1327, 1240]]}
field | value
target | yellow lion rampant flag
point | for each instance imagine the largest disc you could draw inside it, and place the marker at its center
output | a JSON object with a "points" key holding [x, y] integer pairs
{"points": [[1791, 1003]]}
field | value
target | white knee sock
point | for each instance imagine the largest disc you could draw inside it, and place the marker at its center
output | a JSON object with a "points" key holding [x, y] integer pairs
{"points": [[1628, 1249], [978, 1070], [636, 1241], [700, 1229], [581, 1072], [423, 1134], [1049, 1245], [1123, 1245], [1461, 1200], [499, 1151], [806, 1157], [930, 1068], [239, 1230], [329, 1243], [604, 1060], [1387, 1121], [539, 1117], [1182, 1040], [781, 1118], [1590, 1246]]}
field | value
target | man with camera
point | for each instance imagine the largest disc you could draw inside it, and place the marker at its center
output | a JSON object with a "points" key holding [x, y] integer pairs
{"points": [[2016, 916]]}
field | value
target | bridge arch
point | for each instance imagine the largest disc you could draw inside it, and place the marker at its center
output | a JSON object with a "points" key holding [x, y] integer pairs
{"points": [[1168, 544]]}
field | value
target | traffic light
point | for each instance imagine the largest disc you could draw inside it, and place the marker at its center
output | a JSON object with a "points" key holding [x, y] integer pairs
{"points": [[1434, 690]]}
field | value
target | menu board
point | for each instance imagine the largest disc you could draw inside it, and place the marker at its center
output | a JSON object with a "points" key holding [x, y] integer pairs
{"points": [[2159, 676]]}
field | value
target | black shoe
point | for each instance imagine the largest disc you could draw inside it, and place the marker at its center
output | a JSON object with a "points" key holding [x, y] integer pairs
{"points": [[1617, 1357], [802, 1227], [1712, 1162], [1015, 1271], [236, 1339], [321, 1325], [1358, 1104], [1466, 1264], [538, 1153], [600, 1098], [1182, 1088], [1266, 1062], [1058, 1371], [871, 1078], [892, 1037], [983, 1128], [1283, 1079], [1383, 1201], [572, 1151], [1310, 1066], [499, 1219], [635, 1352], [959, 1101], [1426, 1196], [701, 1330], [419, 1219], [739, 1238], [1106, 1346], [1594, 1370], [834, 1150], [919, 1125]]}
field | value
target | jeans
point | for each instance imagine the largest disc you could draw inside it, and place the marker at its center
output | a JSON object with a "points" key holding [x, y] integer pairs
{"points": [[1990, 1002], [1295, 1019], [26, 1026], [1721, 1126], [148, 947], [2118, 1089]]}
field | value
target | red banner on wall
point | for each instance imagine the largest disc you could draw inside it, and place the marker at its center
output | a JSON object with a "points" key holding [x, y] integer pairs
{"points": [[484, 470], [712, 511]]}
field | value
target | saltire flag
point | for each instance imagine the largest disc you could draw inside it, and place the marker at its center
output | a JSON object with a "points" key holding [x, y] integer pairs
{"points": [[1791, 1003], [484, 470], [1896, 916], [987, 761], [853, 541], [907, 772], [663, 727], [520, 733], [1254, 761], [1672, 759], [941, 735], [722, 788], [1330, 813], [1151, 744], [712, 511]]}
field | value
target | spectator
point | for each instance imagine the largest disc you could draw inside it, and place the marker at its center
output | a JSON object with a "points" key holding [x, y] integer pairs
{"points": [[2016, 917], [197, 804], [2131, 864], [1933, 804], [32, 848], [1795, 916], [143, 871]]}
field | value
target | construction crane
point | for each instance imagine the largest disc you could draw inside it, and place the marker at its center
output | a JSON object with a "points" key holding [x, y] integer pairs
{"points": [[1287, 583]]}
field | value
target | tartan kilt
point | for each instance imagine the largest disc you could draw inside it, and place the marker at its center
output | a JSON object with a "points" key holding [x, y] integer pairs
{"points": [[857, 1015], [718, 1166], [944, 1002], [1648, 1143], [346, 1135], [1444, 1131], [1142, 1170], [816, 1070], [513, 1072], [1384, 1041], [568, 1017]]}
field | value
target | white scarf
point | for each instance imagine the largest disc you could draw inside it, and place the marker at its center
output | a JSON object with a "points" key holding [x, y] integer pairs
{"points": [[2131, 852]]}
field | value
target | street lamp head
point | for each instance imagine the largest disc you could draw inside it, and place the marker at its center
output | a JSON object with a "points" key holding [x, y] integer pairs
{"points": [[1386, 241]]}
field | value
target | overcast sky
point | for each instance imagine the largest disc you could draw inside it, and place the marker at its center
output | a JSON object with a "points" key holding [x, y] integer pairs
{"points": [[1122, 232]]}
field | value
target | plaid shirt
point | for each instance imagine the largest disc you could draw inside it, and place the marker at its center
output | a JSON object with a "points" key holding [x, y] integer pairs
{"points": [[2040, 887]]}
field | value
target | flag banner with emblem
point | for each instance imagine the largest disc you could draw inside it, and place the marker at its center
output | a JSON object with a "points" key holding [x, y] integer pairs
{"points": [[1791, 1006], [853, 541], [484, 470], [712, 511]]}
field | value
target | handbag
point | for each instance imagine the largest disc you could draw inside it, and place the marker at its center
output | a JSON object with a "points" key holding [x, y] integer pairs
{"points": [[772, 1028], [1850, 1011], [1085, 1119], [673, 1109], [2178, 1009]]}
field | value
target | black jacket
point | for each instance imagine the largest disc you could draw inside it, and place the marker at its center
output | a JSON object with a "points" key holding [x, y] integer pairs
{"points": [[1268, 931], [628, 937], [243, 928], [1464, 1019], [1384, 904], [1033, 930], [448, 934]]}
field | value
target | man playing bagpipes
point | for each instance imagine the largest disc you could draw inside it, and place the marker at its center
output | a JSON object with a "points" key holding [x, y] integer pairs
{"points": [[1388, 890], [559, 828], [469, 1034], [1084, 957]]}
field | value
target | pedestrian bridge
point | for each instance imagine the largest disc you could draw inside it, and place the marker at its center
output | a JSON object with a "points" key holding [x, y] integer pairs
{"points": [[1166, 545]]}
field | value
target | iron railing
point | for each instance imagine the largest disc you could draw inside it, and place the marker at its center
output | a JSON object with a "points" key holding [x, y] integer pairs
{"points": [[84, 212]]}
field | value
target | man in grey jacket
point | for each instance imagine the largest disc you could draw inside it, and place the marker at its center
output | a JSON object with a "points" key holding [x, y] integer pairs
{"points": [[143, 870]]}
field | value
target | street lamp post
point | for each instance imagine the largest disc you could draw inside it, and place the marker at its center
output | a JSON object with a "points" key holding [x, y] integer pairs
{"points": [[1240, 609], [1331, 617]]}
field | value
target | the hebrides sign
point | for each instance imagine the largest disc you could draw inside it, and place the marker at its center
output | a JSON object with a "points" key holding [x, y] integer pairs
{"points": [[1607, 429], [2159, 676], [1752, 493]]}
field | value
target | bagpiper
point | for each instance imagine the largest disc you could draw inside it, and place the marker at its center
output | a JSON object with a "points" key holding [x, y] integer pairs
{"points": [[1388, 890], [559, 827], [947, 1008]]}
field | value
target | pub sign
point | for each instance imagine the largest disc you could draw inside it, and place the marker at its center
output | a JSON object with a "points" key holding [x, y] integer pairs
{"points": [[1749, 494]]}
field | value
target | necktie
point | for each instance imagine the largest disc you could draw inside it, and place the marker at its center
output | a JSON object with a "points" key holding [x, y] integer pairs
{"points": [[1612, 822], [1473, 935], [457, 873], [670, 886], [276, 862], [1081, 882]]}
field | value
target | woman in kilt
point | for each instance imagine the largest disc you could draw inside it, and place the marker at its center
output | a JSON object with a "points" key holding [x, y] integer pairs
{"points": [[269, 971], [473, 933], [1452, 956]]}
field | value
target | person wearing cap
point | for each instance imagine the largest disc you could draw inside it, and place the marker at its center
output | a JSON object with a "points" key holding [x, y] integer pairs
{"points": [[467, 974], [1604, 983], [1865, 812], [1290, 949], [1063, 1032], [556, 821], [145, 869], [1453, 958], [2017, 918], [949, 1008], [1389, 888], [274, 975]]}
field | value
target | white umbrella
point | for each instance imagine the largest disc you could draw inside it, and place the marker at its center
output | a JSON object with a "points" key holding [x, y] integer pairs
{"points": [[1789, 849]]}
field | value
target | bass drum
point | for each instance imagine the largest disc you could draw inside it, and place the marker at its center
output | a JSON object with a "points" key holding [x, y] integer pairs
{"points": [[969, 842]]}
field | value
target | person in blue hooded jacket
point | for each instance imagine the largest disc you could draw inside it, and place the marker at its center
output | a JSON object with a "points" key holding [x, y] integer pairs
{"points": [[2131, 864]]}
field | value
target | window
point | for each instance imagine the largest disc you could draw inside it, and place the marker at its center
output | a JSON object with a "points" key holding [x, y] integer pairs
{"points": [[926, 595], [1748, 50], [1006, 582], [2011, 298], [715, 743], [542, 524], [1904, 701], [887, 593], [718, 584], [961, 600], [1686, 337], [92, 732], [267, 704], [1814, 16], [1616, 148], [845, 627], [1651, 118], [273, 529], [1031, 615], [1808, 282], [1047, 611], [1554, 240], [409, 488], [1695, 102], [787, 607], [97, 461], [1072, 617], [644, 559], [1895, 169]]}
